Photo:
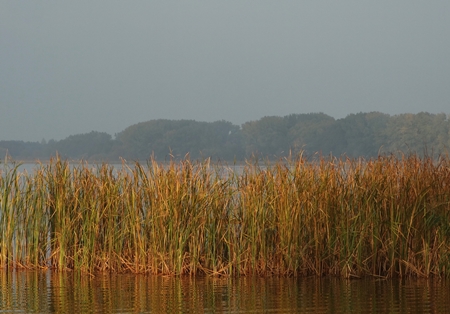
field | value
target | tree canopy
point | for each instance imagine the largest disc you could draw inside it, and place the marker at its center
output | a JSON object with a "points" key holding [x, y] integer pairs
{"points": [[356, 135]]}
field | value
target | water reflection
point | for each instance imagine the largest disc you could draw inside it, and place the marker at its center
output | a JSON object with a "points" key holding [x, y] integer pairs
{"points": [[51, 292]]}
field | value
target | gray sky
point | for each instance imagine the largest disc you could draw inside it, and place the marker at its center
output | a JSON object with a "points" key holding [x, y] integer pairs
{"points": [[70, 67]]}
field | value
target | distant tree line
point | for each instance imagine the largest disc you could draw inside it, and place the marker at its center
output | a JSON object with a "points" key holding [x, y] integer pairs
{"points": [[357, 135]]}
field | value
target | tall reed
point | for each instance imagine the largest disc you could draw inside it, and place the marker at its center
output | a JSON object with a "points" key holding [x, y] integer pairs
{"points": [[385, 217]]}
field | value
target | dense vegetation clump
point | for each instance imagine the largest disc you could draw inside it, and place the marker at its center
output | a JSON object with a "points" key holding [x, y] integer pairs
{"points": [[357, 135], [386, 217]]}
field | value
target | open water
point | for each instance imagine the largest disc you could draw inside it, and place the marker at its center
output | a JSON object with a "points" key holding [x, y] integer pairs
{"points": [[70, 292]]}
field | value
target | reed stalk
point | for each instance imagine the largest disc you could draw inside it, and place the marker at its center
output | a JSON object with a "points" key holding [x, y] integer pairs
{"points": [[383, 217]]}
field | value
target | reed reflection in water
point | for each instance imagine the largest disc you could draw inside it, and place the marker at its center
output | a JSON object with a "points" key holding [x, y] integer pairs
{"points": [[52, 292]]}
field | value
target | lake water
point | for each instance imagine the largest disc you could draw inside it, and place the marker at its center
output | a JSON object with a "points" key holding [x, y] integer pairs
{"points": [[68, 292]]}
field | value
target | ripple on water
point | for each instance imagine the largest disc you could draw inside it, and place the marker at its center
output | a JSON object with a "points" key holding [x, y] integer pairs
{"points": [[52, 292]]}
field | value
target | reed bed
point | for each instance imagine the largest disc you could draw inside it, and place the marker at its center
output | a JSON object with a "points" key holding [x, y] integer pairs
{"points": [[384, 217]]}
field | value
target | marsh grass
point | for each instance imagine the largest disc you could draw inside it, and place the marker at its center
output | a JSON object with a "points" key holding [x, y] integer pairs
{"points": [[383, 217]]}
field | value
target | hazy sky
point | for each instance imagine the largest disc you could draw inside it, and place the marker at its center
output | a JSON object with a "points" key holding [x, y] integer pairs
{"points": [[70, 67]]}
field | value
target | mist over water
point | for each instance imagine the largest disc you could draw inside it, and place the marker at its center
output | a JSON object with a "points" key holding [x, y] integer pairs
{"points": [[71, 67]]}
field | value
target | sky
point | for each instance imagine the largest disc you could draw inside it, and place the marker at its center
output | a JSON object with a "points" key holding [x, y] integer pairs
{"points": [[72, 67]]}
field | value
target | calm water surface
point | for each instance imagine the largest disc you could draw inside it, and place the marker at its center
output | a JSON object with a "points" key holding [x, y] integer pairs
{"points": [[51, 292]]}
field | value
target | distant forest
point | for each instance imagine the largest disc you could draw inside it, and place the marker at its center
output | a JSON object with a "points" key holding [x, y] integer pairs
{"points": [[357, 135]]}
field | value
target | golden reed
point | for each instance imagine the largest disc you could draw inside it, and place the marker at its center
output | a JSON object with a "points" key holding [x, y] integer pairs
{"points": [[384, 217]]}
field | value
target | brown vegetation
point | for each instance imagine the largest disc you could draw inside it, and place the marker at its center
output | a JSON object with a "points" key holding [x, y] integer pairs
{"points": [[383, 217]]}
